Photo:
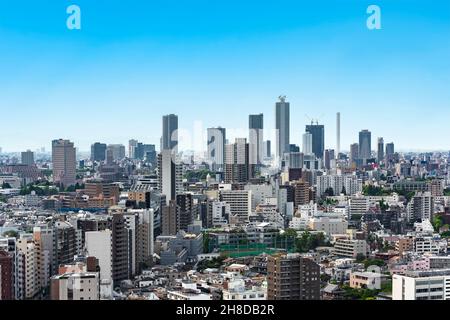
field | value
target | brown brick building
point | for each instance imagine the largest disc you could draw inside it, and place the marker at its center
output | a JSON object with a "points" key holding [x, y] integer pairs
{"points": [[292, 277]]}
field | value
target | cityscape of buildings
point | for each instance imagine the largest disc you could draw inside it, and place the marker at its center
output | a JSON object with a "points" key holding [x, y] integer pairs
{"points": [[249, 219]]}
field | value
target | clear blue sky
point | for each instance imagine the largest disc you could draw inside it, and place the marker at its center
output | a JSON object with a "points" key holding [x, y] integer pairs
{"points": [[218, 61]]}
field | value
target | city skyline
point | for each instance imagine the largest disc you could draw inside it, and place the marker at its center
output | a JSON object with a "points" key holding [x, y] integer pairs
{"points": [[209, 62]]}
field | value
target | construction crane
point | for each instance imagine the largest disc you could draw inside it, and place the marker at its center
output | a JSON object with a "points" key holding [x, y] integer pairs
{"points": [[316, 121]]}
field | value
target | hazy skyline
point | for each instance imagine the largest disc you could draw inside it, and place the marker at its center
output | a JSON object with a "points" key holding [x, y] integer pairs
{"points": [[219, 62]]}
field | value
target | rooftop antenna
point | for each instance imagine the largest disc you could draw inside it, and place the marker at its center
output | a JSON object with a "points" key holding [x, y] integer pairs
{"points": [[282, 98]]}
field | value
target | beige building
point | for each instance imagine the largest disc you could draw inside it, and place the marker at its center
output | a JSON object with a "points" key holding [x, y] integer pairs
{"points": [[64, 162]]}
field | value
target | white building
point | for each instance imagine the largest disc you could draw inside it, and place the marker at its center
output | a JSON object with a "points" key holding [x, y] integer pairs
{"points": [[338, 183], [99, 245], [330, 225], [75, 286], [220, 213], [422, 285], [27, 263], [240, 202], [432, 245], [260, 192], [236, 290]]}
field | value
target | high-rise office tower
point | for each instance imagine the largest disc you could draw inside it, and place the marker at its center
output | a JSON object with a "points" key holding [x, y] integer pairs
{"points": [[145, 152], [169, 175], [390, 151], [169, 219], [216, 148], [365, 145], [187, 211], [380, 151], [117, 150], [307, 143], [318, 139], [132, 144], [354, 153], [64, 162], [120, 249], [65, 243], [256, 133], [294, 148], [282, 119], [238, 168], [295, 160], [338, 134], [328, 157], [27, 265], [267, 149], [170, 133], [292, 277], [44, 239], [28, 158], [98, 151]]}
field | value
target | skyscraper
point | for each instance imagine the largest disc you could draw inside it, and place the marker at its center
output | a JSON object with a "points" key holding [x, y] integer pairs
{"points": [[380, 152], [390, 151], [238, 168], [98, 151], [282, 119], [256, 132], [354, 153], [28, 158], [328, 158], [169, 175], [365, 145], [117, 151], [132, 144], [338, 134], [307, 143], [318, 139], [170, 133], [267, 149], [64, 162], [216, 148]]}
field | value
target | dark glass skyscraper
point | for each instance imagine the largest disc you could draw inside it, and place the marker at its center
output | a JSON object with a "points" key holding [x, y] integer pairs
{"points": [[256, 126], [282, 119], [318, 139], [98, 151], [365, 145], [380, 152], [170, 133]]}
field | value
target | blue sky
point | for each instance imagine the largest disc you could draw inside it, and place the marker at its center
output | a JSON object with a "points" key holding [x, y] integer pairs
{"points": [[218, 61]]}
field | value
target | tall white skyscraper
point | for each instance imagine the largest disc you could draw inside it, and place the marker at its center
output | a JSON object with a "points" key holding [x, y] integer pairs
{"points": [[282, 126], [307, 143], [216, 148]]}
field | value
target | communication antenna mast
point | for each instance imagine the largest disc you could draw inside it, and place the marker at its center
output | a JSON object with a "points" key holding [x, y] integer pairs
{"points": [[282, 98]]}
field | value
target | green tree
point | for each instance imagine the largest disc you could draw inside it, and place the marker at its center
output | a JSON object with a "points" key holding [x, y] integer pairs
{"points": [[6, 185], [11, 234], [329, 192], [383, 205], [437, 222]]}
